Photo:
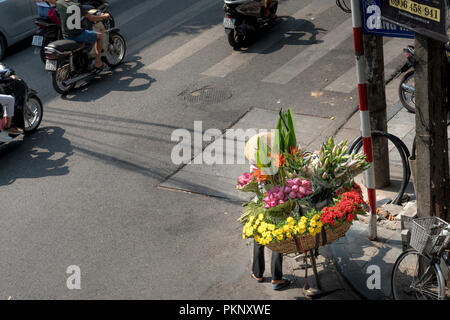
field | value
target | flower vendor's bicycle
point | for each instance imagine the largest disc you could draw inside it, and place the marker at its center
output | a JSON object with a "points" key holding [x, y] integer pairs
{"points": [[418, 273], [303, 200]]}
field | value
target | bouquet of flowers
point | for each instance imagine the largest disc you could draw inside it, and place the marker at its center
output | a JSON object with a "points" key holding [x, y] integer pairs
{"points": [[299, 193]]}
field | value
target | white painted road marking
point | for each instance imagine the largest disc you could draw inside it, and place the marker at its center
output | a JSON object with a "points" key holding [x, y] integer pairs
{"points": [[188, 49], [311, 55]]}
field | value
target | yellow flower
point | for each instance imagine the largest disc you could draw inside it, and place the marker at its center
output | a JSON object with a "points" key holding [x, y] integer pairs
{"points": [[271, 227], [251, 219], [257, 222], [290, 219], [243, 236], [280, 237], [311, 231], [289, 235], [313, 223], [261, 216]]}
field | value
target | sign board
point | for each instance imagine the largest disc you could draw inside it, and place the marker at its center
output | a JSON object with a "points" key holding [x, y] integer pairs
{"points": [[373, 24], [427, 17]]}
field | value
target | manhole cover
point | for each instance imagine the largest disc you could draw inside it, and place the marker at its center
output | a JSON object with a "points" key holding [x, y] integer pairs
{"points": [[207, 95]]}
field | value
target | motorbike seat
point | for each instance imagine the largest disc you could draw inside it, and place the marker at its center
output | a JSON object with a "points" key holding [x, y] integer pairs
{"points": [[65, 45], [44, 22]]}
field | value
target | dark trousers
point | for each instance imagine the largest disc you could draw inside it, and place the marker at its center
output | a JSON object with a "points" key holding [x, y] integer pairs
{"points": [[259, 263]]}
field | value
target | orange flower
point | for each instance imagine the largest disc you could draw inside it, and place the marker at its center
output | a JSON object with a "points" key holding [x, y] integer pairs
{"points": [[259, 176], [279, 160], [294, 151]]}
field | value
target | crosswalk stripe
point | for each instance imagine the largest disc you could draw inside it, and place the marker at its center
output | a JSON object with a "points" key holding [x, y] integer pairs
{"points": [[152, 34], [237, 59], [188, 49], [311, 55], [347, 82], [129, 15]]}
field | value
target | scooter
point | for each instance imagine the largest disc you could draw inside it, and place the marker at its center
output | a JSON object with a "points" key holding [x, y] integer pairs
{"points": [[71, 62], [244, 18], [406, 89], [28, 110], [50, 31]]}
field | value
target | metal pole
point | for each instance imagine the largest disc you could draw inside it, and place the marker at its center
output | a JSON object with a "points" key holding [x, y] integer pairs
{"points": [[366, 132]]}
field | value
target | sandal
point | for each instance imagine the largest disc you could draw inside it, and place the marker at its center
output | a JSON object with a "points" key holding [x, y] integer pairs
{"points": [[281, 285], [252, 275], [99, 69]]}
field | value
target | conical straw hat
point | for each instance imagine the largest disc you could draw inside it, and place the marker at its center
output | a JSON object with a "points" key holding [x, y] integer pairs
{"points": [[252, 145]]}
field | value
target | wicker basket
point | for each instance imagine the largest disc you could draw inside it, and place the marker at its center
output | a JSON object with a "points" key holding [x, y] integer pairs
{"points": [[308, 242]]}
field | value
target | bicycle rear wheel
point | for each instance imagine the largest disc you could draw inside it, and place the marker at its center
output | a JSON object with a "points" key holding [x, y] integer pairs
{"points": [[414, 277]]}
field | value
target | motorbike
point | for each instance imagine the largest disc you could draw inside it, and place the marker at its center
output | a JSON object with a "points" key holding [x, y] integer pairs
{"points": [[49, 31], [71, 62], [245, 18], [28, 110], [406, 90]]}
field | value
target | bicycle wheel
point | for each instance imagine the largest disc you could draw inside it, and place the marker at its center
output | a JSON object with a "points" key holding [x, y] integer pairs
{"points": [[415, 278], [407, 93]]}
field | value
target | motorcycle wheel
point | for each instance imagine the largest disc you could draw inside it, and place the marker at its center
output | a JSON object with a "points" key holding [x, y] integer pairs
{"points": [[407, 98], [33, 112], [116, 50], [59, 76], [234, 39]]}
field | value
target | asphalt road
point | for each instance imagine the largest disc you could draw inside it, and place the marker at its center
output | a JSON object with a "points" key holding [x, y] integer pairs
{"points": [[84, 189]]}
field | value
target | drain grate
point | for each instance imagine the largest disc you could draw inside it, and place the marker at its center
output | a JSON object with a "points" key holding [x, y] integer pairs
{"points": [[207, 95]]}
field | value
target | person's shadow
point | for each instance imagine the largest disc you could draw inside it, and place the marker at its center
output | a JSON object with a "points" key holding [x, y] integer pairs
{"points": [[42, 154], [125, 77]]}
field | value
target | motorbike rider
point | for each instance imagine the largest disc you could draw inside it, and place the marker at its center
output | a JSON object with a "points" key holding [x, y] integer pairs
{"points": [[82, 35], [8, 102], [267, 12]]}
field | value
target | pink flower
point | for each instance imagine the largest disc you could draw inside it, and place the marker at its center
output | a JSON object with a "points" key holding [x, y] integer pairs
{"points": [[244, 180], [293, 195]]}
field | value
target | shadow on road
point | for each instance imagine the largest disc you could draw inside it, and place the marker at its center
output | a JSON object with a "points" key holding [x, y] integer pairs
{"points": [[125, 77], [43, 154], [288, 31]]}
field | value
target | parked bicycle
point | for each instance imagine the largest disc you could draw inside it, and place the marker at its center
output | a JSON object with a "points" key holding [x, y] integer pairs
{"points": [[419, 273]]}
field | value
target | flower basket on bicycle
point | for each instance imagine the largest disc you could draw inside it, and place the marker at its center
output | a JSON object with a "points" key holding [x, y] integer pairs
{"points": [[303, 200]]}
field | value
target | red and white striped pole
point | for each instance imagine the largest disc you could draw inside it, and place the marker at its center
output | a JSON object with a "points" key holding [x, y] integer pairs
{"points": [[366, 132]]}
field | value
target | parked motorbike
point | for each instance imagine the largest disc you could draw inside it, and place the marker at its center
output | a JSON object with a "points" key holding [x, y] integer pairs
{"points": [[70, 62], [28, 108], [50, 31], [406, 90], [244, 18]]}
